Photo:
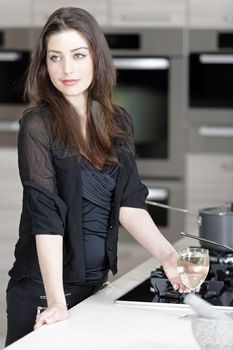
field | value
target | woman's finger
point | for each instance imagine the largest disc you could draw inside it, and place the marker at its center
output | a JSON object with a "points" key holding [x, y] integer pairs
{"points": [[51, 315], [41, 319]]}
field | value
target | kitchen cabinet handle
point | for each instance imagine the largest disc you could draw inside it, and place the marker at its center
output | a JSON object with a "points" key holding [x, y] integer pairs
{"points": [[215, 131], [9, 126], [141, 63]]}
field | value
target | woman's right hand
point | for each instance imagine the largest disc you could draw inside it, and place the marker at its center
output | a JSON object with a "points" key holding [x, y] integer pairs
{"points": [[54, 313]]}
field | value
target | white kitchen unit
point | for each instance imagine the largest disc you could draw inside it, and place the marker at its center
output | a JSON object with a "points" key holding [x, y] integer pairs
{"points": [[209, 183], [166, 13], [101, 324], [43, 8], [17, 13], [34, 13], [210, 14]]}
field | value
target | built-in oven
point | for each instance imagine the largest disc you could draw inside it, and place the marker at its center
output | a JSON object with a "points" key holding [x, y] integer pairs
{"points": [[210, 91], [143, 88], [151, 86], [15, 55]]}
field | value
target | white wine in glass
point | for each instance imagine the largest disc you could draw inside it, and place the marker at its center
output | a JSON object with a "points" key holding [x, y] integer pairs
{"points": [[193, 267]]}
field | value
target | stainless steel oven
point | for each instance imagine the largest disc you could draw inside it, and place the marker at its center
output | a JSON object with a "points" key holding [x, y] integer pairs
{"points": [[15, 55], [210, 90], [151, 86]]}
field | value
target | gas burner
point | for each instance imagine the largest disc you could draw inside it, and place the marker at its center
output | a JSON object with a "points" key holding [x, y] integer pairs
{"points": [[220, 257], [211, 289], [227, 258], [161, 286], [217, 286]]}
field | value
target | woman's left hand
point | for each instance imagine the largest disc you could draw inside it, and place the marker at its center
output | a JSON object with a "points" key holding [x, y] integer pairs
{"points": [[54, 313]]}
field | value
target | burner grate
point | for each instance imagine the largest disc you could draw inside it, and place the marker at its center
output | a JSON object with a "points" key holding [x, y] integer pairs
{"points": [[218, 281]]}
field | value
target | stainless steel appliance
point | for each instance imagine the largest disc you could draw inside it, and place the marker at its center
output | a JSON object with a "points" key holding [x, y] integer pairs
{"points": [[15, 56], [151, 87], [210, 90], [217, 289]]}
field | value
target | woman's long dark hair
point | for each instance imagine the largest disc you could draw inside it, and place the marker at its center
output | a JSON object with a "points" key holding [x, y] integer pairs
{"points": [[102, 125]]}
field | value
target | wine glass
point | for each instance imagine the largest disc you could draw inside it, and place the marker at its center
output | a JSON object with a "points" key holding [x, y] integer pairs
{"points": [[193, 267]]}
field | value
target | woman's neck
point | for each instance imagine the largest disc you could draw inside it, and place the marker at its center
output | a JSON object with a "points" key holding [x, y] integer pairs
{"points": [[80, 105]]}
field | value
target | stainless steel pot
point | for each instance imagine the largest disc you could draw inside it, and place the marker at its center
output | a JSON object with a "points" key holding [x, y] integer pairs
{"points": [[215, 224]]}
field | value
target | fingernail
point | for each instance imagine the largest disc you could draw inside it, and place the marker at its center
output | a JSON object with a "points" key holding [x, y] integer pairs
{"points": [[175, 286]]}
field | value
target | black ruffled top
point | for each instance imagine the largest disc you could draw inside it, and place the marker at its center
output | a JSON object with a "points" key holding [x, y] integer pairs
{"points": [[98, 187]]}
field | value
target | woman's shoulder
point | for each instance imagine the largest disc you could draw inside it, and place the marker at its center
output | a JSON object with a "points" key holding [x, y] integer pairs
{"points": [[35, 119], [123, 119]]}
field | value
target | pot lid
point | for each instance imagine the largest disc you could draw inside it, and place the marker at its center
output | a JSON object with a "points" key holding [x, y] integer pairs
{"points": [[226, 209]]}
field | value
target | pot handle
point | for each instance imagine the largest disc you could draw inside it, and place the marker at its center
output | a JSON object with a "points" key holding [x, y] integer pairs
{"points": [[185, 211], [157, 204]]}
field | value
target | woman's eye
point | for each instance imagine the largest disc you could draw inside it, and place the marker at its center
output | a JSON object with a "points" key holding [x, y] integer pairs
{"points": [[77, 56], [55, 58]]}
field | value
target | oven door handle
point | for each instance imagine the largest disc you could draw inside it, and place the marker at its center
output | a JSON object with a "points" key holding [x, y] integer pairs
{"points": [[141, 63], [215, 131], [157, 194], [216, 59], [9, 56], [9, 126]]}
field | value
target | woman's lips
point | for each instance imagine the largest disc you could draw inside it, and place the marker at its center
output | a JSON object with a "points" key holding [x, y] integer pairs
{"points": [[70, 82]]}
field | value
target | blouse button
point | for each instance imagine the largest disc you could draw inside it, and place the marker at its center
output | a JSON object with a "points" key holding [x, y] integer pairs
{"points": [[110, 227]]}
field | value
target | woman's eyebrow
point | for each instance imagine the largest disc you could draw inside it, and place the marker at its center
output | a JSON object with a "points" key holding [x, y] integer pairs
{"points": [[78, 48]]}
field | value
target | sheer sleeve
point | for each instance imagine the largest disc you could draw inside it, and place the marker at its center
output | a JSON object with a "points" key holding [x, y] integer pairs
{"points": [[34, 155], [46, 209]]}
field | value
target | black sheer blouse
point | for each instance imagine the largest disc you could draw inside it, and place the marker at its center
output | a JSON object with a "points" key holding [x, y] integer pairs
{"points": [[52, 199], [34, 156]]}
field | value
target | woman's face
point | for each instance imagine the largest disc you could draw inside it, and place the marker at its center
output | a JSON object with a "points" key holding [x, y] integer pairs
{"points": [[70, 65]]}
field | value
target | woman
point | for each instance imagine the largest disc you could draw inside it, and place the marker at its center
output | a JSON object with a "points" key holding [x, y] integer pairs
{"points": [[77, 167]]}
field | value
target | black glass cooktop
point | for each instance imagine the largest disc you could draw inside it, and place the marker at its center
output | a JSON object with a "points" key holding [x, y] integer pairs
{"points": [[143, 293], [217, 289]]}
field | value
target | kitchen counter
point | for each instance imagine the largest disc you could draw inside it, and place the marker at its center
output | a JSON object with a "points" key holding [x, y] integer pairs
{"points": [[99, 323]]}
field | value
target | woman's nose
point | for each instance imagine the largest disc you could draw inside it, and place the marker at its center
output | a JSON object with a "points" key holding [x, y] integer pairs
{"points": [[68, 66]]}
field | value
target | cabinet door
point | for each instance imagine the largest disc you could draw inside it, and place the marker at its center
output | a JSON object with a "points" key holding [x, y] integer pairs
{"points": [[167, 13], [43, 9], [15, 13], [211, 13], [209, 183]]}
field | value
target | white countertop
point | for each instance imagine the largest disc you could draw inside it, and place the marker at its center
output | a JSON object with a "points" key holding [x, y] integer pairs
{"points": [[100, 324]]}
